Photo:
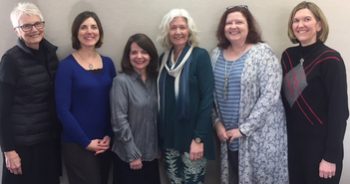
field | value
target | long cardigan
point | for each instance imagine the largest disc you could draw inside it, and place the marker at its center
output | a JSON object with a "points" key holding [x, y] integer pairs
{"points": [[263, 149]]}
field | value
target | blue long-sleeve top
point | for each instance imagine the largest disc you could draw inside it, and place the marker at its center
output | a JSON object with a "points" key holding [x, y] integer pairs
{"points": [[82, 100]]}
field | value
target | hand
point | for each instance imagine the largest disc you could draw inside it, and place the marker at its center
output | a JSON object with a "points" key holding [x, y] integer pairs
{"points": [[196, 150], [327, 169], [104, 142], [221, 132], [13, 162], [136, 164], [233, 134], [96, 146]]}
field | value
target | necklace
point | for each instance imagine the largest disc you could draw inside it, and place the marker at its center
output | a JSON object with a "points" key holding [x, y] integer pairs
{"points": [[226, 78], [241, 52], [88, 61]]}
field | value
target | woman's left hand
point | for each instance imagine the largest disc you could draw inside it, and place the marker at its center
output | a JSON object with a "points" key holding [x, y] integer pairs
{"points": [[105, 143], [196, 150], [327, 169], [136, 164], [233, 134]]}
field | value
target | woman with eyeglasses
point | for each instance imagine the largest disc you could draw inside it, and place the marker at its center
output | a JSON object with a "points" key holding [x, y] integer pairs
{"points": [[185, 84], [83, 81], [29, 131], [315, 99], [250, 119]]}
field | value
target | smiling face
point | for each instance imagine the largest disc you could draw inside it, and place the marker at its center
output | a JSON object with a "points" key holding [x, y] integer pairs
{"points": [[33, 37], [236, 27], [139, 58], [179, 32], [88, 34], [305, 27]]}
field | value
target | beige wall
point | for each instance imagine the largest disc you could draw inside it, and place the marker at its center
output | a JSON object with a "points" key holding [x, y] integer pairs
{"points": [[121, 18]]}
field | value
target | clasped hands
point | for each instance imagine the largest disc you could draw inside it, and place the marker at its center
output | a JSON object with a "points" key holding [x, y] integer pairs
{"points": [[228, 135], [99, 145]]}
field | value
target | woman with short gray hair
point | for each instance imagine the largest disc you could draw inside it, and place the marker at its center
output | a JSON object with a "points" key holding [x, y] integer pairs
{"points": [[29, 130]]}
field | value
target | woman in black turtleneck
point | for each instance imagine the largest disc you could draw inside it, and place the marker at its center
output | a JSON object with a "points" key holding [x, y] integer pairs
{"points": [[315, 98]]}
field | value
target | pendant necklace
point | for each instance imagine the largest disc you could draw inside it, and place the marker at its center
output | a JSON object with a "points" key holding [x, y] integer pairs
{"points": [[89, 65], [226, 78]]}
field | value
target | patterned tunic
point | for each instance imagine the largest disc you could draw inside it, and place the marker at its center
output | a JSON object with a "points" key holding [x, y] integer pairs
{"points": [[263, 151]]}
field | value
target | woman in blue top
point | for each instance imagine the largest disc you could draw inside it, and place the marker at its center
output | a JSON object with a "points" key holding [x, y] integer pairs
{"points": [[83, 82], [186, 97]]}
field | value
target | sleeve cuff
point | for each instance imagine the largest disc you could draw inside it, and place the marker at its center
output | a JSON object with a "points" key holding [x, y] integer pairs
{"points": [[132, 152]]}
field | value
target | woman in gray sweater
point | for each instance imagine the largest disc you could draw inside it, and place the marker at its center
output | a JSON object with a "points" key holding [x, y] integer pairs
{"points": [[134, 113]]}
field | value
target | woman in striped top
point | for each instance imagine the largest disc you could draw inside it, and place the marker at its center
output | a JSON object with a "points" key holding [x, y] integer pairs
{"points": [[250, 120]]}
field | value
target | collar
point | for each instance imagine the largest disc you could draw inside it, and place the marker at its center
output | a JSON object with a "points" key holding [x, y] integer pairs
{"points": [[44, 44]]}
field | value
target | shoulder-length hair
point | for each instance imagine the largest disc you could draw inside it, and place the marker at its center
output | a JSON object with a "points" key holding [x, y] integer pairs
{"points": [[79, 19], [24, 8], [319, 16], [146, 44], [254, 33], [164, 27]]}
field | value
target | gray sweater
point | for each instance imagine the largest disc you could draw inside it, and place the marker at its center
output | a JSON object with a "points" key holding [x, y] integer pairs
{"points": [[134, 117]]}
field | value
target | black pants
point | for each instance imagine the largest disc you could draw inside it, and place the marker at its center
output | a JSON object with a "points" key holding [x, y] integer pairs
{"points": [[41, 164], [304, 157], [233, 166], [84, 167], [149, 174]]}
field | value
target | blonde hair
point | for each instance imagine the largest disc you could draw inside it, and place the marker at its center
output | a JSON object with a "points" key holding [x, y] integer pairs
{"points": [[24, 8], [317, 12], [164, 27]]}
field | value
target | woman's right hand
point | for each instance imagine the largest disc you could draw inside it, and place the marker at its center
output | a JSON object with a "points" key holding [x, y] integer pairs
{"points": [[96, 146], [221, 132], [136, 164], [13, 162]]}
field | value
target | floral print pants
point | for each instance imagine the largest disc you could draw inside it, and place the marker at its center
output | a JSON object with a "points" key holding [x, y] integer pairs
{"points": [[181, 170]]}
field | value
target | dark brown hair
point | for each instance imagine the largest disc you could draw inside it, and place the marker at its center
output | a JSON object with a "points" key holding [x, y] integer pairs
{"points": [[254, 34], [79, 19], [146, 44]]}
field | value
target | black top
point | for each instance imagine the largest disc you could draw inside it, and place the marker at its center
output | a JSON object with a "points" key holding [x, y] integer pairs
{"points": [[319, 111], [27, 114]]}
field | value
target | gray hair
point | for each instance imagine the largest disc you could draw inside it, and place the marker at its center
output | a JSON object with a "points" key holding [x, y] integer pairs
{"points": [[24, 8], [164, 27]]}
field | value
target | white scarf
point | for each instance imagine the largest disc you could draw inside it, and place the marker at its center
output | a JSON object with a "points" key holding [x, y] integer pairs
{"points": [[175, 71]]}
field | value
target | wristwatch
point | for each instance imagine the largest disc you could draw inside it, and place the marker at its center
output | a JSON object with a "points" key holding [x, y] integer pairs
{"points": [[197, 140]]}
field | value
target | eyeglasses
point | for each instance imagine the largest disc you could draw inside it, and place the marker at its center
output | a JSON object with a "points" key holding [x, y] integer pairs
{"points": [[237, 6], [29, 27]]}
